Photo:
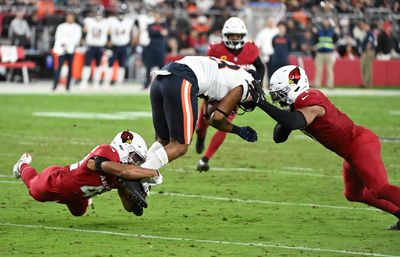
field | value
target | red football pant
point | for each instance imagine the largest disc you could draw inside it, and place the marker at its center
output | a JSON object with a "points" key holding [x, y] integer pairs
{"points": [[43, 188], [217, 139], [366, 181]]}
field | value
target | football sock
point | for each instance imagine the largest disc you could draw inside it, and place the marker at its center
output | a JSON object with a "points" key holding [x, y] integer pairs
{"points": [[368, 198], [85, 75], [156, 159], [27, 174], [215, 143], [155, 146], [121, 75], [201, 125]]}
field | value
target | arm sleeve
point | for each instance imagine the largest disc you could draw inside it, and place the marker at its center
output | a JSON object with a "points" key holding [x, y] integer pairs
{"points": [[290, 120], [281, 133], [260, 69]]}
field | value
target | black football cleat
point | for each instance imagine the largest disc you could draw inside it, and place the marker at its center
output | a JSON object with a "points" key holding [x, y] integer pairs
{"points": [[395, 226], [199, 142], [203, 165]]}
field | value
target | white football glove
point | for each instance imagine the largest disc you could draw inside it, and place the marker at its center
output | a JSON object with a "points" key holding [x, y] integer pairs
{"points": [[153, 181]]}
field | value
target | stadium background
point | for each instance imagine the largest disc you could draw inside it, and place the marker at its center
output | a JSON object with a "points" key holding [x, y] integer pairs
{"points": [[259, 199], [193, 24]]}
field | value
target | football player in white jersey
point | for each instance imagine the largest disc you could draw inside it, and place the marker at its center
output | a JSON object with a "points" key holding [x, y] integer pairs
{"points": [[174, 91], [97, 31], [121, 29]]}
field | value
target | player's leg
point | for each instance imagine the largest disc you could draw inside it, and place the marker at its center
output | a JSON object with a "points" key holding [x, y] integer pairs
{"points": [[215, 143], [108, 73], [98, 54], [356, 191], [121, 57], [86, 70], [156, 154], [369, 166], [201, 129]]}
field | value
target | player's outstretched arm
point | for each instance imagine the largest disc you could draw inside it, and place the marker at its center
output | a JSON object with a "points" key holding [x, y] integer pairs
{"points": [[219, 118], [130, 172]]}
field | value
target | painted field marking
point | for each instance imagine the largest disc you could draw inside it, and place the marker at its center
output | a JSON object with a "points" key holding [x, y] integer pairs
{"points": [[393, 112], [266, 202], [245, 201], [205, 241], [92, 115]]}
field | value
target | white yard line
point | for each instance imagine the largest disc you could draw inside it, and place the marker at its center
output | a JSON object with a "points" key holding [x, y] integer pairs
{"points": [[226, 199], [205, 241], [245, 201]]}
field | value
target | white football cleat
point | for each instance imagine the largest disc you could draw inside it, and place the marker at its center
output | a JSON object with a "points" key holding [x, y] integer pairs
{"points": [[26, 158]]}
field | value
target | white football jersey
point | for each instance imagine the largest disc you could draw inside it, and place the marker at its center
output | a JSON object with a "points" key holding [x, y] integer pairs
{"points": [[217, 77], [121, 31], [96, 31]]}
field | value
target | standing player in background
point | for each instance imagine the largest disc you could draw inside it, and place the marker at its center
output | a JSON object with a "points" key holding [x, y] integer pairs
{"points": [[236, 49], [364, 174], [121, 29], [97, 31], [106, 167]]}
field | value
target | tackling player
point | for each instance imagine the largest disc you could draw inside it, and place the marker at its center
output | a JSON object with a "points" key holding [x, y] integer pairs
{"points": [[121, 28], [365, 178], [97, 30], [236, 49], [174, 93], [106, 167]]}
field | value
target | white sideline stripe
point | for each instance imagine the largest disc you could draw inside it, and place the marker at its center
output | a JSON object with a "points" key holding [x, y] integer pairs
{"points": [[10, 182], [217, 198], [90, 115], [191, 169], [394, 112], [206, 241], [6, 176]]}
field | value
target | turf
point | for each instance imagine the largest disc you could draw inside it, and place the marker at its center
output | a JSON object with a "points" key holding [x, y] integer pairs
{"points": [[258, 199]]}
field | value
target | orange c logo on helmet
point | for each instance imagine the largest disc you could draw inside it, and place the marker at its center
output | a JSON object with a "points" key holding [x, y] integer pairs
{"points": [[294, 76], [224, 57], [127, 137]]}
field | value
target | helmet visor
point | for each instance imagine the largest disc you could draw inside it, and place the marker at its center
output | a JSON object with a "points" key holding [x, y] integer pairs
{"points": [[135, 158]]}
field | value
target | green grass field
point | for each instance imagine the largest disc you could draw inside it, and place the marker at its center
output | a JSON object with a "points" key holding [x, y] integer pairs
{"points": [[258, 199]]}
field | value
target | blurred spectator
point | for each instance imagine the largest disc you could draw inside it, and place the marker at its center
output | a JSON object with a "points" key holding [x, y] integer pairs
{"points": [[347, 48], [281, 44], [68, 36], [307, 43], [264, 42], [367, 56], [154, 53], [44, 8], [121, 30], [97, 31], [387, 43], [325, 38], [19, 32]]}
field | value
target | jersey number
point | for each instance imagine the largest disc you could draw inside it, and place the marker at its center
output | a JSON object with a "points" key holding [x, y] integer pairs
{"points": [[223, 64], [89, 191]]}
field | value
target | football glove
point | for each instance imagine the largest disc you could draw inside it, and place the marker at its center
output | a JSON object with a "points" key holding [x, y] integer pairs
{"points": [[257, 93], [247, 133], [153, 181]]}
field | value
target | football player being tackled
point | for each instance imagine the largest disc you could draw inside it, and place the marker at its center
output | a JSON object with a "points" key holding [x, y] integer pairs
{"points": [[106, 167], [236, 49], [364, 174]]}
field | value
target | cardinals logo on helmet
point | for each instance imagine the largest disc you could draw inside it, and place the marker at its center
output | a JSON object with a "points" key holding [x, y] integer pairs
{"points": [[294, 76], [127, 137]]}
